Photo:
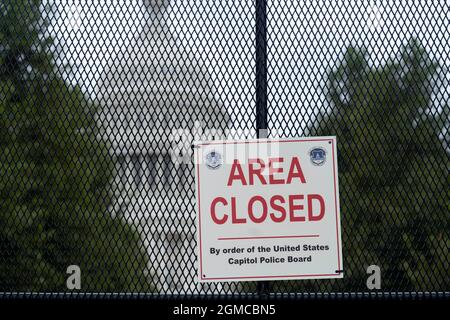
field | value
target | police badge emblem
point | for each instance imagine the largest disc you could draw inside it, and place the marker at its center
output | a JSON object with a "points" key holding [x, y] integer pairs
{"points": [[213, 160], [318, 156]]}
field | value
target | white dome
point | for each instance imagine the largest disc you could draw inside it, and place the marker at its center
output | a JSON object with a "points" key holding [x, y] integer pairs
{"points": [[149, 88], [156, 84]]}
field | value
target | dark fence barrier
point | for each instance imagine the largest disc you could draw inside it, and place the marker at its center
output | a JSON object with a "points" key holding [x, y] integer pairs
{"points": [[98, 99]]}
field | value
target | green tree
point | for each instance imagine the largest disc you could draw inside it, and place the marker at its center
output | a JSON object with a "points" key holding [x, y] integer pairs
{"points": [[393, 170], [54, 174]]}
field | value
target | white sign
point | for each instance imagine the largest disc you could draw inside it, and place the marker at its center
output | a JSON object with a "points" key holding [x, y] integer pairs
{"points": [[268, 209]]}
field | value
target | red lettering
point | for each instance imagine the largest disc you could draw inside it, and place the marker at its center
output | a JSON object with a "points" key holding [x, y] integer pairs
{"points": [[273, 170], [236, 166], [213, 210], [258, 209], [293, 207], [234, 218], [250, 209], [278, 208], [295, 171], [318, 197], [256, 171]]}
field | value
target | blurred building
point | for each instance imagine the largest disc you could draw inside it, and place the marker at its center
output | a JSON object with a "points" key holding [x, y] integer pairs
{"points": [[148, 90]]}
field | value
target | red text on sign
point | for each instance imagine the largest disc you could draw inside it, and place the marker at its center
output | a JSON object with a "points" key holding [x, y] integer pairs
{"points": [[277, 209], [257, 166]]}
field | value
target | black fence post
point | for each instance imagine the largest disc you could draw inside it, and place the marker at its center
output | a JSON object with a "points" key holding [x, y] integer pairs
{"points": [[261, 67], [263, 287]]}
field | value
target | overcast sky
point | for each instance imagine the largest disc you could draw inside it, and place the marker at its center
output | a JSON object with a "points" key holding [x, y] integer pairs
{"points": [[305, 40]]}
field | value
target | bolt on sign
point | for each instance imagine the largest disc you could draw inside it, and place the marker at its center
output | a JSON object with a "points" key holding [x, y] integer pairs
{"points": [[268, 209]]}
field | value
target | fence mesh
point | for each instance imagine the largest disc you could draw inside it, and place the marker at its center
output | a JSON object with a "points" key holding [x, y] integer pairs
{"points": [[97, 99]]}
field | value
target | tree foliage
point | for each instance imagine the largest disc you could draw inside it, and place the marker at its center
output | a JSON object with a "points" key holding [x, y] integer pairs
{"points": [[393, 169], [54, 174]]}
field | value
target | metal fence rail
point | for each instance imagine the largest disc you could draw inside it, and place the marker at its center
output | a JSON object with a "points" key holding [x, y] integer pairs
{"points": [[100, 101]]}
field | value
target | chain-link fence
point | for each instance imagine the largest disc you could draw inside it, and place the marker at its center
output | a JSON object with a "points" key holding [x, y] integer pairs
{"points": [[96, 98]]}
